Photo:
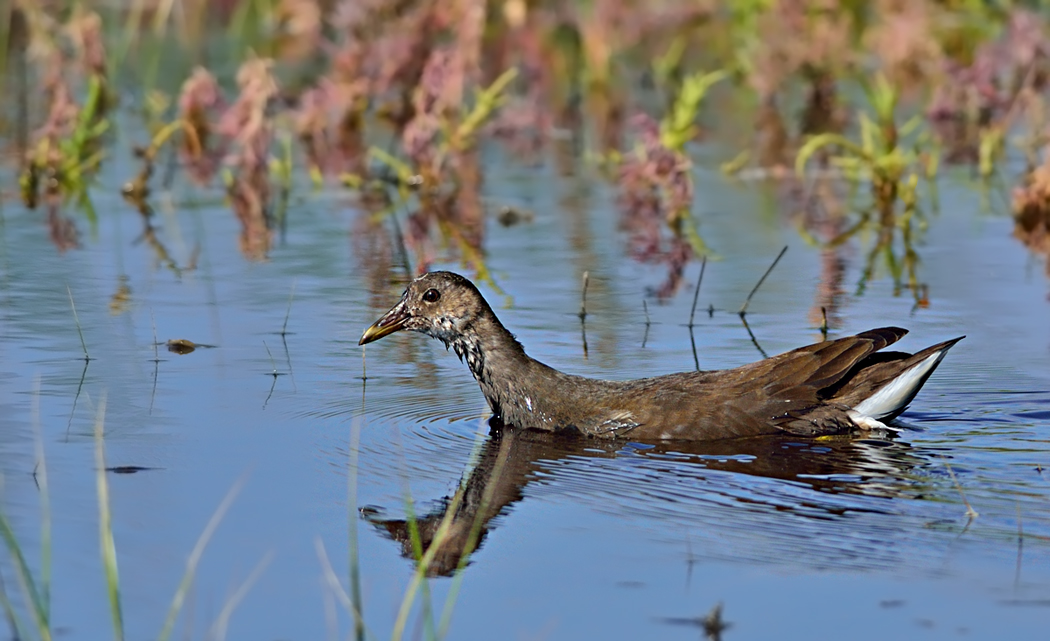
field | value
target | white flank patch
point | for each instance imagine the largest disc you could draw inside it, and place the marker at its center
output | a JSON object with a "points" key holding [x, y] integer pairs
{"points": [[896, 394]]}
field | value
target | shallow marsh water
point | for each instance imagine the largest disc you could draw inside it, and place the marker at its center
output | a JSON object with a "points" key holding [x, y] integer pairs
{"points": [[797, 539]]}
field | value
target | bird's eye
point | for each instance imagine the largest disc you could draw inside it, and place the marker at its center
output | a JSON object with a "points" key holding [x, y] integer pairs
{"points": [[431, 295]]}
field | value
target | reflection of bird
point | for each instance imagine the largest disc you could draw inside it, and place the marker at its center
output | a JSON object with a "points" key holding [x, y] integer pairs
{"points": [[830, 387], [510, 460]]}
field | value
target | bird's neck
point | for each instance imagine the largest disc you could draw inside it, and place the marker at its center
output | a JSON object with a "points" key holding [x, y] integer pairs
{"points": [[497, 361], [488, 349]]}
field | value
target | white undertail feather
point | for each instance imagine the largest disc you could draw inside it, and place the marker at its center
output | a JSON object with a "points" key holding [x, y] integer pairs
{"points": [[892, 397], [869, 423]]}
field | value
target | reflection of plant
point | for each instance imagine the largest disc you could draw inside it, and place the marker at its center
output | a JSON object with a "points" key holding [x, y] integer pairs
{"points": [[656, 182], [1031, 208], [440, 169], [977, 103], [437, 134], [891, 166], [249, 124]]}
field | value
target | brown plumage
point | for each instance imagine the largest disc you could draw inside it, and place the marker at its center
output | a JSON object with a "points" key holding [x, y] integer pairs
{"points": [[826, 388]]}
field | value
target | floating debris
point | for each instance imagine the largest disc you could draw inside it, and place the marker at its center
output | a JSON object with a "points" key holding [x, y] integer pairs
{"points": [[184, 346]]}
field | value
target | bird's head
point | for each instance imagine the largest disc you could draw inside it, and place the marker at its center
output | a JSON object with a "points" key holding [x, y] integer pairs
{"points": [[439, 304]]}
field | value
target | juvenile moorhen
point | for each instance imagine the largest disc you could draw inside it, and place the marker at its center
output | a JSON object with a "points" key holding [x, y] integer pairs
{"points": [[826, 388]]}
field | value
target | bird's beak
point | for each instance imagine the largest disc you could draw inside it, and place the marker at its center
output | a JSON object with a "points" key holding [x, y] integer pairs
{"points": [[392, 321]]}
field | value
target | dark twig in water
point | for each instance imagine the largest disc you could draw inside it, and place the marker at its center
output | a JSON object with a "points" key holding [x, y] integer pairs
{"points": [[291, 295], [288, 360], [76, 319], [754, 341], [274, 373], [743, 310], [645, 308], [692, 341], [696, 294], [80, 386], [583, 296], [692, 312], [970, 512], [824, 322], [583, 311], [273, 363]]}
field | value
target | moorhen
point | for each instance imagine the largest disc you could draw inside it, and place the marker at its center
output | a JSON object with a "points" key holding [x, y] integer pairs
{"points": [[832, 387]]}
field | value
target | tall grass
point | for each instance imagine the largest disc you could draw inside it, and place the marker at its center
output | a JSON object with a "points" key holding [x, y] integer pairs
{"points": [[108, 547], [36, 594], [36, 590]]}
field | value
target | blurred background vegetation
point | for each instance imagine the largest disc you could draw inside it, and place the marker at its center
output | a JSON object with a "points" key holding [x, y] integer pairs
{"points": [[847, 110]]}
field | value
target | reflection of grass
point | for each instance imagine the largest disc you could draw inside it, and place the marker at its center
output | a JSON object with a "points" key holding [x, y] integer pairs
{"points": [[36, 590], [442, 537], [424, 553]]}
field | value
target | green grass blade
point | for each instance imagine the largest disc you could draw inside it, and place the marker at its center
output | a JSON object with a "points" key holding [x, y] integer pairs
{"points": [[336, 586], [218, 630], [25, 578], [427, 557], [194, 560], [18, 629], [475, 531], [105, 526]]}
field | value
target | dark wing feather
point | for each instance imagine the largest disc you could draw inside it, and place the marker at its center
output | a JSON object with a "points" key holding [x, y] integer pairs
{"points": [[824, 364], [793, 401]]}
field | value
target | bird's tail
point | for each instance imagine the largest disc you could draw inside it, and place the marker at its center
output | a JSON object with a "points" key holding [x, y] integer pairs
{"points": [[891, 398]]}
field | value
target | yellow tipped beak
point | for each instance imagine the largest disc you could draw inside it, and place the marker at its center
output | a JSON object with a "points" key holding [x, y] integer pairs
{"points": [[392, 321]]}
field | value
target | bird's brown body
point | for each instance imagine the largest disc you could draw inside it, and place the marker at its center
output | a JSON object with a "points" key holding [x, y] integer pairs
{"points": [[826, 388]]}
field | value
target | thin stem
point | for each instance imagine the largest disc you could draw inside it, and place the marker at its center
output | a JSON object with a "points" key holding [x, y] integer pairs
{"points": [[105, 526], [83, 343], [743, 310], [696, 294]]}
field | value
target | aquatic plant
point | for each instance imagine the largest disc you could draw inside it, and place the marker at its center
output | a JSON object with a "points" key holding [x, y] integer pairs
{"points": [[66, 150], [406, 68], [892, 158]]}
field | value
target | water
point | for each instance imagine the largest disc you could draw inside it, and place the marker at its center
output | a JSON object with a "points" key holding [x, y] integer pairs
{"points": [[797, 539]]}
